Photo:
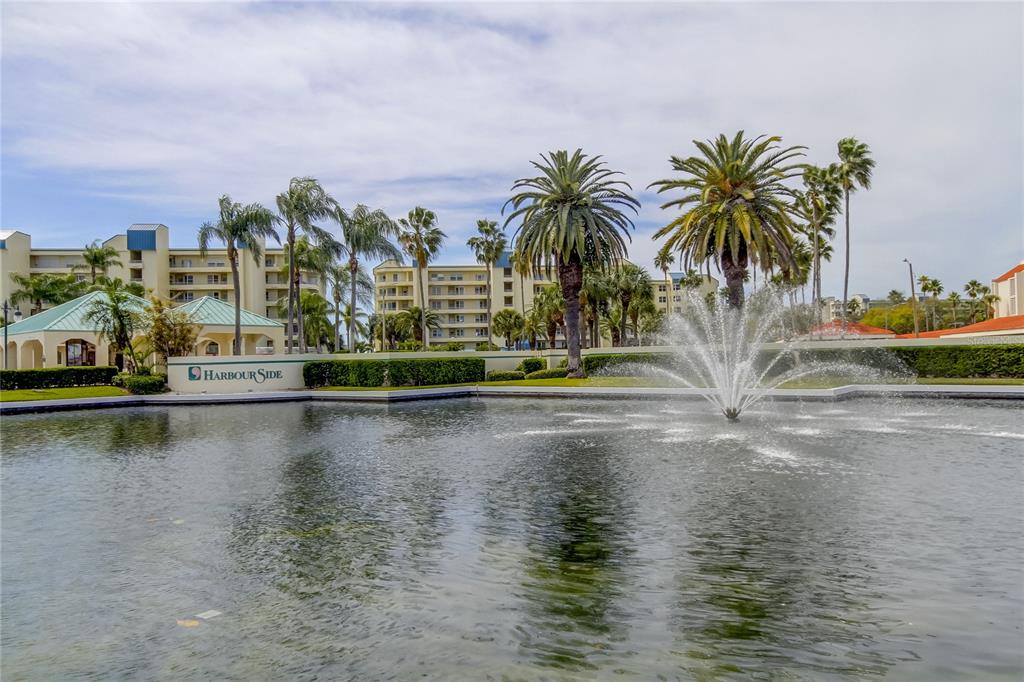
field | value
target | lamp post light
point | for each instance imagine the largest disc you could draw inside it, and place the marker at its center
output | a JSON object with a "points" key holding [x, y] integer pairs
{"points": [[913, 299], [17, 316]]}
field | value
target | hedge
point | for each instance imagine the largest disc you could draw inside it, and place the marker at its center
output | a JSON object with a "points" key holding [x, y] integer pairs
{"points": [[145, 384], [485, 346], [1004, 360], [382, 373], [56, 377], [556, 373], [509, 375], [449, 347], [529, 365]]}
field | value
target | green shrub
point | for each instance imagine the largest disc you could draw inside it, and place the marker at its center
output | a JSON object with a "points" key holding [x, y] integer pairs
{"points": [[410, 347], [56, 377], [532, 365], [507, 375], [448, 347], [484, 345], [145, 384], [556, 373], [394, 372], [594, 363], [564, 362]]}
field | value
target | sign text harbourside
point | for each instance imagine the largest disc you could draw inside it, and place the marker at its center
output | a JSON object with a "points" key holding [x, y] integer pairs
{"points": [[258, 376]]}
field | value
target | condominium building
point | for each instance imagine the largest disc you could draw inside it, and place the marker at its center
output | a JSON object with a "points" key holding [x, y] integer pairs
{"points": [[181, 275], [834, 306], [1009, 287], [464, 296]]}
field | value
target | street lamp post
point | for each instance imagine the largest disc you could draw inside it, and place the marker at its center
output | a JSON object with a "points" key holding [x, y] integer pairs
{"points": [[383, 317], [7, 312], [913, 299]]}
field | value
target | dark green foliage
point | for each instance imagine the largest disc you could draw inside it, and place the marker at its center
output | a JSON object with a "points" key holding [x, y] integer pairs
{"points": [[532, 365], [410, 347], [145, 384], [448, 347], [507, 375], [564, 362], [556, 373], [594, 363], [56, 377], [412, 372], [484, 345]]}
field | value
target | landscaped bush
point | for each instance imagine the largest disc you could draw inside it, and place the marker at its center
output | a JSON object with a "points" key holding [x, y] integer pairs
{"points": [[532, 365], [564, 362], [449, 347], [145, 384], [594, 363], [410, 347], [556, 373], [506, 375], [56, 377], [484, 345], [381, 373]]}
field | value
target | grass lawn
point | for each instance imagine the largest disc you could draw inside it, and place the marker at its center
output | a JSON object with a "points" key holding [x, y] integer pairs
{"points": [[61, 393], [641, 382]]}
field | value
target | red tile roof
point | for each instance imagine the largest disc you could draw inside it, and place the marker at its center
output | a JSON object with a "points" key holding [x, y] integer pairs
{"points": [[997, 324], [1009, 273], [852, 328]]}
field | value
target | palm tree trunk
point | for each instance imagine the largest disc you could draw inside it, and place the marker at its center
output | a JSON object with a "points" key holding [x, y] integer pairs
{"points": [[669, 294], [233, 257], [291, 292], [423, 304], [583, 327], [570, 275], [337, 320], [623, 331], [846, 271], [490, 278], [353, 269], [733, 273]]}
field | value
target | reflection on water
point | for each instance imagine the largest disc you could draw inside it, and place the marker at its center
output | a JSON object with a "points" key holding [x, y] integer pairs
{"points": [[514, 540]]}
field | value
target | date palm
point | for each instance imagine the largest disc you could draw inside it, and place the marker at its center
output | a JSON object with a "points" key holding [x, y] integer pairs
{"points": [[853, 171], [98, 259], [737, 210], [340, 279], [572, 214], [299, 207], [421, 240], [488, 246], [237, 227], [118, 317], [818, 204], [365, 233], [954, 301], [663, 260], [631, 282], [45, 287], [973, 291]]}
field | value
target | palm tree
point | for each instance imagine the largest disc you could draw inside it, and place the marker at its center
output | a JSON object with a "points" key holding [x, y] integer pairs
{"points": [[973, 290], [598, 287], [642, 303], [509, 323], [339, 277], [936, 289], [45, 287], [533, 326], [570, 215], [98, 258], [522, 267], [741, 213], [118, 318], [304, 202], [308, 258], [954, 300], [611, 321], [365, 233], [852, 171], [549, 305], [102, 282], [488, 246], [316, 325], [663, 260], [989, 300], [631, 281], [244, 227], [818, 203], [895, 297], [421, 239], [419, 320]]}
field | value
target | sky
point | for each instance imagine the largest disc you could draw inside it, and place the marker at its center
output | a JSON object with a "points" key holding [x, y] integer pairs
{"points": [[116, 113]]}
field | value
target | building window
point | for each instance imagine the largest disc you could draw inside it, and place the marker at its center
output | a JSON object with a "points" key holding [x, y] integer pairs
{"points": [[482, 304], [508, 272], [212, 348], [186, 296], [456, 305], [456, 291], [661, 299], [435, 305], [458, 332], [135, 256], [268, 262], [481, 332], [480, 291], [436, 333], [508, 287], [508, 301], [481, 276]]}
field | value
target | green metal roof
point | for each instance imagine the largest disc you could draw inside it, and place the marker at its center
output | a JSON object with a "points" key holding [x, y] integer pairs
{"points": [[212, 311], [68, 317]]}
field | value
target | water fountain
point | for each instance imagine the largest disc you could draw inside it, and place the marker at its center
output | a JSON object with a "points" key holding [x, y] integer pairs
{"points": [[736, 357]]}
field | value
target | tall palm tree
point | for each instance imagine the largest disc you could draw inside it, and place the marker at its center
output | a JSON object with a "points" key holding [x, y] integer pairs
{"points": [[299, 207], [98, 259], [989, 300], [356, 322], [973, 291], [853, 171], [631, 281], [533, 326], [420, 319], [118, 318], [522, 267], [45, 287], [340, 278], [488, 246], [818, 204], [663, 260], [954, 300], [570, 215], [315, 310], [308, 258], [509, 324], [421, 239], [598, 287], [738, 211], [365, 233], [549, 305], [237, 227], [936, 290]]}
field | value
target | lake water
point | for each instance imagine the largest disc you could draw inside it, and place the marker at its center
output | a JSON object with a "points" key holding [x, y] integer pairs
{"points": [[515, 539]]}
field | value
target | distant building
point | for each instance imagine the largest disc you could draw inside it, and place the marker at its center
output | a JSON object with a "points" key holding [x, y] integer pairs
{"points": [[708, 285], [854, 330], [1009, 287], [833, 307]]}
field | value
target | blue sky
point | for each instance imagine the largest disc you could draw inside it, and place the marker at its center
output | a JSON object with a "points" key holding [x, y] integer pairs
{"points": [[122, 113]]}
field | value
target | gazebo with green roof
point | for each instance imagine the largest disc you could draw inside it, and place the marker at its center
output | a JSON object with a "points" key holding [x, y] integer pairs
{"points": [[216, 320]]}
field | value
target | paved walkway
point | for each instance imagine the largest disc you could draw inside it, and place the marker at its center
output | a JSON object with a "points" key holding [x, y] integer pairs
{"points": [[482, 390]]}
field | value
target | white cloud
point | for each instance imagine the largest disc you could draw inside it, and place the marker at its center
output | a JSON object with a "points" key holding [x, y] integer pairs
{"points": [[392, 105]]}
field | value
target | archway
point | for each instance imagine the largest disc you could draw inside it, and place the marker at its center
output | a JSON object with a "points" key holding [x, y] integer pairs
{"points": [[31, 355], [11, 354], [79, 353]]}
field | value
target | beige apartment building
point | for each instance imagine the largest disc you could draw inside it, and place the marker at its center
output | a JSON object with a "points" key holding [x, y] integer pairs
{"points": [[1009, 287], [464, 295], [180, 275]]}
